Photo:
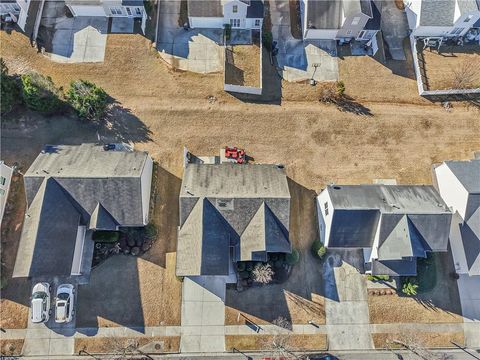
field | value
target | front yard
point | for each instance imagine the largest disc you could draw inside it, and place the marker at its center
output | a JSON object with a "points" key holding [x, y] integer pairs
{"points": [[298, 299], [454, 67], [441, 304]]}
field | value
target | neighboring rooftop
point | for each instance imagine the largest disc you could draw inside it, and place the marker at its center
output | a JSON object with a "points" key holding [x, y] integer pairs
{"points": [[214, 8], [444, 12], [400, 199], [71, 186], [468, 173], [323, 14]]}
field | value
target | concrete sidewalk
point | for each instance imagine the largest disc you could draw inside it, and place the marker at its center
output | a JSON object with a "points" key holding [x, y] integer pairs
{"points": [[469, 291]]}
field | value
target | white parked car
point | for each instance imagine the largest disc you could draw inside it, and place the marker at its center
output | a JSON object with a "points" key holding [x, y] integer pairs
{"points": [[41, 302], [64, 303]]}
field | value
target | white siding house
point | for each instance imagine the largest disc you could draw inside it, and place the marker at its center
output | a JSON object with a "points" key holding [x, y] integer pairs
{"points": [[108, 8], [214, 14], [444, 19], [5, 179], [458, 183], [341, 20]]}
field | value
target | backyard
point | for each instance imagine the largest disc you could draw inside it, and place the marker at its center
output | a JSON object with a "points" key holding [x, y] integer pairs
{"points": [[242, 65], [453, 67]]}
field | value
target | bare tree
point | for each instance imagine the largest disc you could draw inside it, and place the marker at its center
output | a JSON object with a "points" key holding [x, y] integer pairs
{"points": [[412, 342], [280, 344], [466, 76], [263, 273]]}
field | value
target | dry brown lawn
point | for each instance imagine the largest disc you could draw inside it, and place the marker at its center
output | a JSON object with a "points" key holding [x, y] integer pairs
{"points": [[264, 342], [424, 339], [104, 345], [444, 70], [245, 69], [11, 347]]}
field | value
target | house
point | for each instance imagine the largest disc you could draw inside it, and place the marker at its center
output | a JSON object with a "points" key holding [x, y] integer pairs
{"points": [[26, 13], [108, 8], [214, 14], [393, 224], [6, 173], [458, 183], [341, 20], [72, 191], [231, 213], [443, 18]]}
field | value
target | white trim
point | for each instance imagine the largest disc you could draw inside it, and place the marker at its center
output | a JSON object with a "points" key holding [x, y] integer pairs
{"points": [[78, 253]]}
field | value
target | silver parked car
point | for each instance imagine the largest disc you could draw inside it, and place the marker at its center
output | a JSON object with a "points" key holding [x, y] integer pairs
{"points": [[64, 302], [41, 302]]}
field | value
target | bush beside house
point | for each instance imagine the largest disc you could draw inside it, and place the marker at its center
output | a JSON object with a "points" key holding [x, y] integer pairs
{"points": [[87, 99], [40, 94], [10, 95]]}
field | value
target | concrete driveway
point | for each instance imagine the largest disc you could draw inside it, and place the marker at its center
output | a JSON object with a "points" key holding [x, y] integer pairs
{"points": [[296, 57], [469, 291], [394, 26], [346, 302], [203, 314], [195, 50], [79, 40]]}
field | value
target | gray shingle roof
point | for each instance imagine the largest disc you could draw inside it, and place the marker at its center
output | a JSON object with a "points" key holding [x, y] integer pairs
{"points": [[205, 8], [101, 189], [437, 12], [49, 233], [329, 14], [246, 207], [395, 267], [353, 228], [468, 173]]}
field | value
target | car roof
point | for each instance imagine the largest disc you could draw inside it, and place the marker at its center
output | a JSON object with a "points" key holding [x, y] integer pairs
{"points": [[37, 309]]}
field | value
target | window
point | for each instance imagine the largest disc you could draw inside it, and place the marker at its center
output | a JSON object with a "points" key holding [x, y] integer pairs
{"points": [[116, 11], [257, 22], [356, 20], [326, 208], [235, 8], [456, 31], [129, 12], [2, 180], [235, 23], [468, 18], [138, 11]]}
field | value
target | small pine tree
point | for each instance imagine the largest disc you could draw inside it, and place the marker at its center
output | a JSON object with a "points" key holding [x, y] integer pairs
{"points": [[40, 93], [87, 99], [10, 90], [293, 258]]}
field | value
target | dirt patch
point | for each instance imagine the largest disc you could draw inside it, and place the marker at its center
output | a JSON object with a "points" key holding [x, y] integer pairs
{"points": [[103, 345], [440, 305], [11, 347], [424, 339], [453, 68], [264, 342], [242, 65], [14, 302]]}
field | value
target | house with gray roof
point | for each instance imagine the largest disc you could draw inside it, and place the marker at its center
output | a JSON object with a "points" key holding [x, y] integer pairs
{"points": [[230, 213], [25, 13], [442, 18], [72, 191], [214, 14], [458, 183], [393, 224], [341, 20], [108, 8]]}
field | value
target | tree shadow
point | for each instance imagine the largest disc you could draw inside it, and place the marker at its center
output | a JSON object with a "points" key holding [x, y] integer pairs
{"points": [[121, 125], [403, 68], [349, 105]]}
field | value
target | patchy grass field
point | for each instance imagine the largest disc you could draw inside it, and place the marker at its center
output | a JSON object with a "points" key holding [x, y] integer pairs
{"points": [[105, 345], [440, 305], [453, 68], [242, 65], [264, 342], [424, 339]]}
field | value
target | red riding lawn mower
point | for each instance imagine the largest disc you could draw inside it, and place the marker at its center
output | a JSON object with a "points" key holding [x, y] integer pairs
{"points": [[235, 154]]}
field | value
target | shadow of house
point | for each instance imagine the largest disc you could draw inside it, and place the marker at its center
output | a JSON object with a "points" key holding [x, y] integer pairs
{"points": [[112, 294], [300, 298]]}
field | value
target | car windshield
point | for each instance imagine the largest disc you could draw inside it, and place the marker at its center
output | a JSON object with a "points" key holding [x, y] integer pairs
{"points": [[39, 295], [62, 296]]}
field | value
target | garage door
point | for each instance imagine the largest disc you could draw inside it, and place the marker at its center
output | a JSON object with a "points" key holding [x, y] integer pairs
{"points": [[88, 10]]}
